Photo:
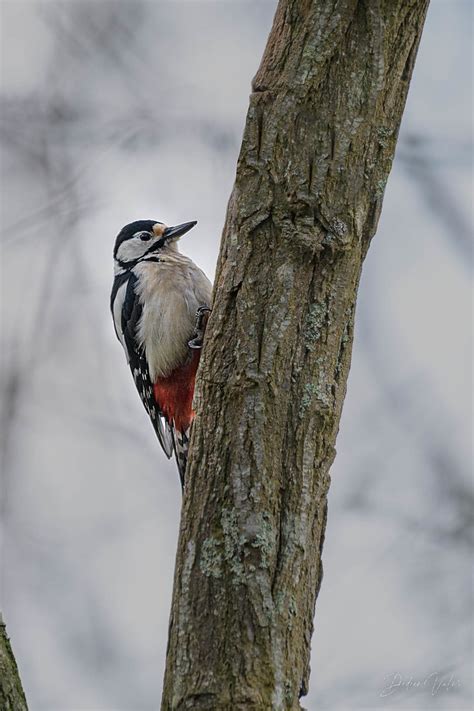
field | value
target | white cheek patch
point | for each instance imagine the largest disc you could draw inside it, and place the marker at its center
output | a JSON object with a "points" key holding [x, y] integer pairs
{"points": [[132, 249]]}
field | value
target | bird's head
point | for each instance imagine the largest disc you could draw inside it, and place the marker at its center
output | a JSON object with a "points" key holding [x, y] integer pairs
{"points": [[143, 237]]}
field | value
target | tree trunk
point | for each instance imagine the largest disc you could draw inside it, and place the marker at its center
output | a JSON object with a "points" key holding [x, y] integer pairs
{"points": [[316, 153], [12, 697]]}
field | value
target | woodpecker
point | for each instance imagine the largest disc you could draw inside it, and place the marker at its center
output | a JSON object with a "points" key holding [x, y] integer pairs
{"points": [[160, 304]]}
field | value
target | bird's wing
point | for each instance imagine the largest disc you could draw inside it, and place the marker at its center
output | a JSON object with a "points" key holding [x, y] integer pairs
{"points": [[131, 313], [119, 289]]}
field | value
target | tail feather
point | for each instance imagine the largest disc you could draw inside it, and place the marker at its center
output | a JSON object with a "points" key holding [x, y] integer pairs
{"points": [[181, 446]]}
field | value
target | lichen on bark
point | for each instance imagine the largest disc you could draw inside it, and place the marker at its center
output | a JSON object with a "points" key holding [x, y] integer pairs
{"points": [[317, 149]]}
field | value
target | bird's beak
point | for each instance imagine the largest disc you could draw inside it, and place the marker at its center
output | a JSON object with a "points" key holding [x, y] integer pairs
{"points": [[178, 230]]}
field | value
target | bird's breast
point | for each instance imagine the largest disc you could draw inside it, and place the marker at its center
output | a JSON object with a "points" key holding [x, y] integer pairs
{"points": [[170, 294]]}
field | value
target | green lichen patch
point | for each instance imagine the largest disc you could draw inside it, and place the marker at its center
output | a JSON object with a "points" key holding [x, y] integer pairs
{"points": [[233, 542], [380, 186], [264, 541], [309, 392], [319, 390], [314, 324], [210, 561], [280, 601], [384, 134]]}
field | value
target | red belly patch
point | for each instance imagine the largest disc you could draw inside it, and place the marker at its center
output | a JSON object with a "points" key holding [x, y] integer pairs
{"points": [[174, 394]]}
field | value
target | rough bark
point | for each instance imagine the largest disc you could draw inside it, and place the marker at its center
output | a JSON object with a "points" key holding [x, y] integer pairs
{"points": [[317, 149], [12, 696]]}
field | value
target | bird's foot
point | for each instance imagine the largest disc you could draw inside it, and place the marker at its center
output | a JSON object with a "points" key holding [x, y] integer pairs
{"points": [[202, 316]]}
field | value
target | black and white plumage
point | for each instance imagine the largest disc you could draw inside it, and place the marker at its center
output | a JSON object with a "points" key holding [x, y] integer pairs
{"points": [[160, 301]]}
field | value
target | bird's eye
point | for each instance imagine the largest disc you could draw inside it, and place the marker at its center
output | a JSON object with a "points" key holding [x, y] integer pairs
{"points": [[145, 236]]}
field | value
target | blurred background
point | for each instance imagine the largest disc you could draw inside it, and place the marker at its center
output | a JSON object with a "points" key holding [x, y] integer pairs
{"points": [[114, 111]]}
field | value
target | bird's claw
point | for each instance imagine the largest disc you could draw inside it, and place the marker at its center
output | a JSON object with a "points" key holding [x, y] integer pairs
{"points": [[199, 327]]}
